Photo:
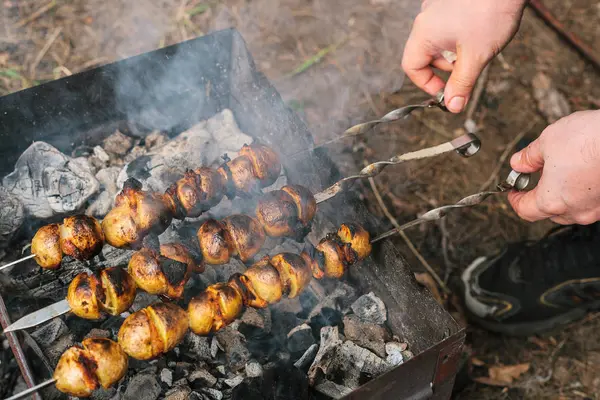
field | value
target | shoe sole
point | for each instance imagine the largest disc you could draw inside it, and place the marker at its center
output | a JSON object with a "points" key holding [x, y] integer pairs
{"points": [[534, 328]]}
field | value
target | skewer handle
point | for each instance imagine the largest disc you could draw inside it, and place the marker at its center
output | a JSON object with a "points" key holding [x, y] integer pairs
{"points": [[31, 390], [17, 261]]}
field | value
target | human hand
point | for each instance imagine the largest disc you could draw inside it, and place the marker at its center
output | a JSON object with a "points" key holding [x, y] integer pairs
{"points": [[568, 154], [476, 30]]}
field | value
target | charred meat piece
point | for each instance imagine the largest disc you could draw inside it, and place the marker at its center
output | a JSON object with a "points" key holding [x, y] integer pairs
{"points": [[112, 292], [196, 192], [81, 237], [136, 214], [97, 362]]}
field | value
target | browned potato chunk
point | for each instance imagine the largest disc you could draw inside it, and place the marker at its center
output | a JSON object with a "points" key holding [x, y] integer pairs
{"points": [[136, 214], [240, 176], [46, 247], [197, 192], [153, 330], [80, 370], [81, 237], [119, 290], [333, 258], [357, 237], [83, 294], [266, 165], [165, 274], [246, 235], [277, 213], [304, 200], [262, 280], [219, 305], [215, 244], [294, 272], [110, 359]]}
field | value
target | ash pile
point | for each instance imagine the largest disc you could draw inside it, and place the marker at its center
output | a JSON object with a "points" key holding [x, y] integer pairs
{"points": [[324, 343]]}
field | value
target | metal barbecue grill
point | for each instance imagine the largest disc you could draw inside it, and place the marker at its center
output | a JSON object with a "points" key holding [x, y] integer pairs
{"points": [[219, 74]]}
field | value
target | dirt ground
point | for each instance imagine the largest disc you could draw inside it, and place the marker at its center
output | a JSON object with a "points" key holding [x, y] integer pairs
{"points": [[340, 64]]}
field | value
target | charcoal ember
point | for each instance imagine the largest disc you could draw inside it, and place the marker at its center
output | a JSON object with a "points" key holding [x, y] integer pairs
{"points": [[155, 139], [179, 392], [143, 300], [551, 103], [233, 382], [212, 394], [342, 296], [366, 334], [142, 386], [394, 353], [234, 345], [370, 308], [117, 144], [11, 215], [202, 377], [103, 394], [299, 340], [255, 321], [203, 144], [166, 377], [307, 358], [281, 382], [49, 183], [253, 369], [54, 339], [98, 333], [330, 339], [283, 322], [107, 177], [332, 389], [349, 365], [181, 369], [327, 317]]}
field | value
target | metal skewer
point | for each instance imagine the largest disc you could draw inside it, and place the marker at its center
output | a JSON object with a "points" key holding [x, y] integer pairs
{"points": [[466, 145], [16, 261], [515, 180], [32, 390]]}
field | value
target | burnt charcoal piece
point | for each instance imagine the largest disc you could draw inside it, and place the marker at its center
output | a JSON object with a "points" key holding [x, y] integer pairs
{"points": [[283, 322], [198, 346], [299, 340], [166, 377], [142, 386], [202, 378], [253, 369], [307, 358], [366, 334], [11, 215], [49, 183], [234, 344], [282, 382], [327, 317], [255, 322], [370, 308], [181, 392], [212, 394]]}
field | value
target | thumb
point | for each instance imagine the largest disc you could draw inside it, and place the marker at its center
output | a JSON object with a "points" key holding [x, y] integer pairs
{"points": [[525, 205], [467, 69], [528, 160]]}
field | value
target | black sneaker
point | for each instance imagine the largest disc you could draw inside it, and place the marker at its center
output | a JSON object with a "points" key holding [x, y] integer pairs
{"points": [[535, 287]]}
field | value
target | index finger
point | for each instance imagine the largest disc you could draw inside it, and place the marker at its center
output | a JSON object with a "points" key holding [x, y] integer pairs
{"points": [[416, 62]]}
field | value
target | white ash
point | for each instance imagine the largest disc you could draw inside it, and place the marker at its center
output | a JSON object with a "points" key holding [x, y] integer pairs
{"points": [[233, 382], [101, 155], [213, 394], [198, 346], [49, 183], [166, 376], [117, 144], [203, 144], [365, 334], [330, 338], [155, 139], [370, 308], [253, 369], [12, 215], [181, 392], [394, 353], [308, 357], [332, 389], [107, 177], [203, 377]]}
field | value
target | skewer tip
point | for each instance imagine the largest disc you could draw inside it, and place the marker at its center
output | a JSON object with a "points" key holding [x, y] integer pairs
{"points": [[10, 264], [32, 390]]}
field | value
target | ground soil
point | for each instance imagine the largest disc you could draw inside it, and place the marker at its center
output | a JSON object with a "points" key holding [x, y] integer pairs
{"points": [[361, 78]]}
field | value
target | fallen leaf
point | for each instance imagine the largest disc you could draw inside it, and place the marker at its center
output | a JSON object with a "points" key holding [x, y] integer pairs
{"points": [[425, 279], [541, 343], [507, 373]]}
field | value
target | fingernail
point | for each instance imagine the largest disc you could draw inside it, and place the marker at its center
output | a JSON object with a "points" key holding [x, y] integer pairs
{"points": [[456, 104]]}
